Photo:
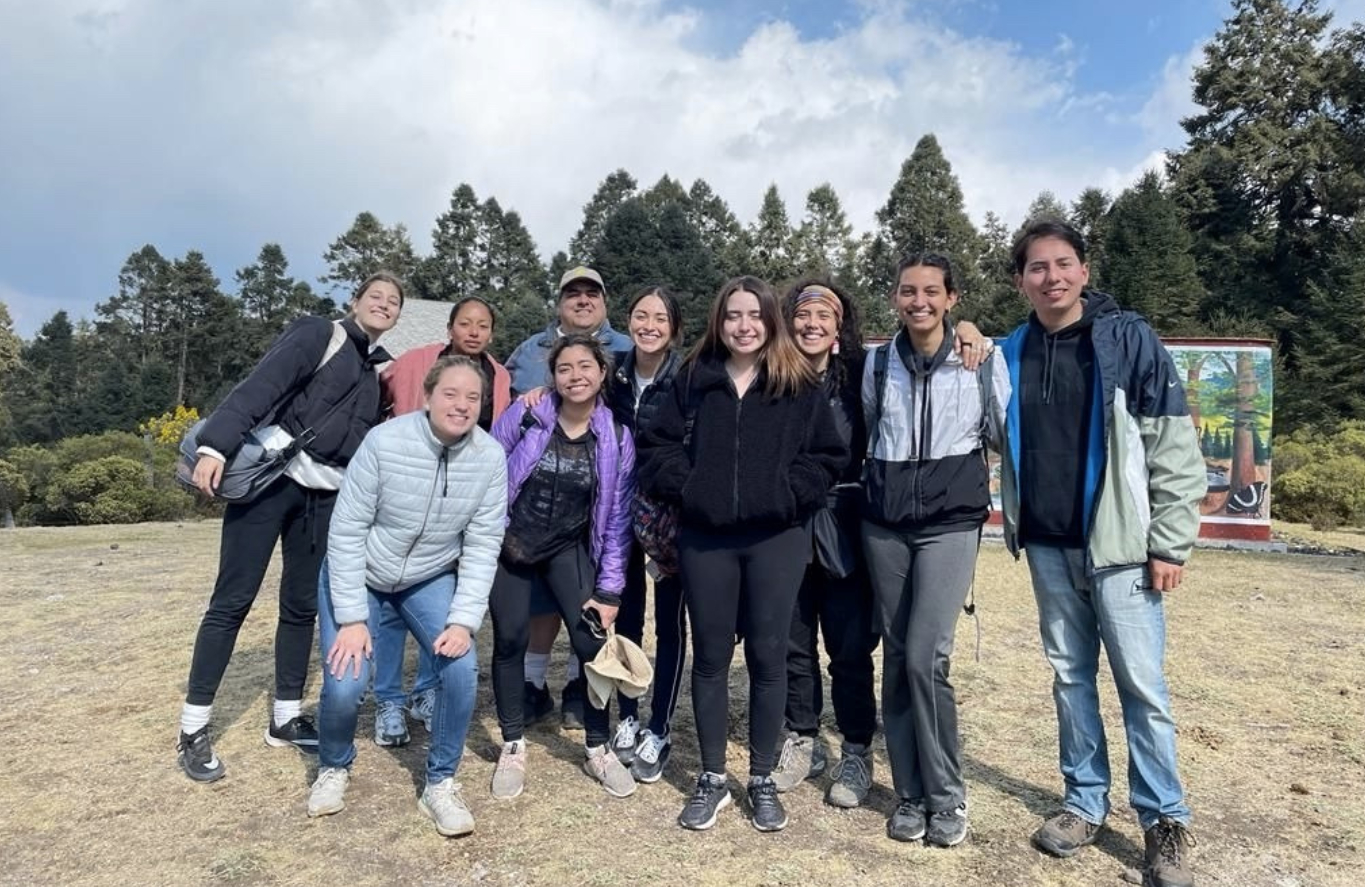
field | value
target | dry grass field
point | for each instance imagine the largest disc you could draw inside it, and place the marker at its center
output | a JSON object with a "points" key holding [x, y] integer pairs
{"points": [[1267, 666]]}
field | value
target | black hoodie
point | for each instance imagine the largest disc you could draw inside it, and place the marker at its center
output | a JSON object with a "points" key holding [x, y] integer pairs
{"points": [[1056, 395]]}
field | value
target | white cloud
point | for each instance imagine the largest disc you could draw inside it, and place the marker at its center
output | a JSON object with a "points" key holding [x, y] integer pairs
{"points": [[222, 127]]}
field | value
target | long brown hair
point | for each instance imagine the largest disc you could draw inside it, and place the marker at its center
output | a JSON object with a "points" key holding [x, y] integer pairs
{"points": [[787, 368]]}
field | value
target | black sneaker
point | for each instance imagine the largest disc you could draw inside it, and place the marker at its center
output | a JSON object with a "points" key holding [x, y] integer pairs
{"points": [[768, 815], [536, 703], [571, 705], [709, 798], [195, 755], [947, 828], [651, 754], [298, 732], [908, 823]]}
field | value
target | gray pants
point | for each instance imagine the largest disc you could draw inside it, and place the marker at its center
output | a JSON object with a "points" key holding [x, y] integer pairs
{"points": [[920, 582]]}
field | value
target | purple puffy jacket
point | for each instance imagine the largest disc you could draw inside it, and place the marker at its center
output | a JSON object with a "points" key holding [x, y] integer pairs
{"points": [[610, 534]]}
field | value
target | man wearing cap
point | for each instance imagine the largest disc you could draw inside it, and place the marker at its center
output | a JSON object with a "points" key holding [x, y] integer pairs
{"points": [[582, 309]]}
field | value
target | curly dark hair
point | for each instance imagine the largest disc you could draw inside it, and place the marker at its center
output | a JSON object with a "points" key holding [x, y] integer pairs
{"points": [[847, 365]]}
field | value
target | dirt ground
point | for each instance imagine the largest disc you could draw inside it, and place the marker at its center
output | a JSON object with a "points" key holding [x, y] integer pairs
{"points": [[1266, 664]]}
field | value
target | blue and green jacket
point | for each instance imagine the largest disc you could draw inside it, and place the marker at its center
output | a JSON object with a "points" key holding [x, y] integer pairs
{"points": [[1144, 475]]}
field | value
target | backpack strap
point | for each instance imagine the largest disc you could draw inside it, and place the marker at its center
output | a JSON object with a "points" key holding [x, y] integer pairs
{"points": [[880, 357], [333, 345]]}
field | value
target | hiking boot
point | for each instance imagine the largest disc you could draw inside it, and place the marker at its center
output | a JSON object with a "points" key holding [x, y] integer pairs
{"points": [[607, 769], [852, 777], [651, 753], [195, 755], [801, 757], [768, 815], [1168, 850], [907, 823], [443, 805], [509, 777], [571, 704], [1065, 834], [947, 828], [298, 732], [390, 726], [623, 742], [422, 707], [329, 791], [536, 703], [709, 798]]}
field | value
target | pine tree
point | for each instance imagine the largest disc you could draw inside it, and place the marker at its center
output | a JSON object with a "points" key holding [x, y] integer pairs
{"points": [[823, 244], [1088, 214], [613, 191], [925, 213], [367, 247], [771, 236], [1151, 267], [457, 244], [1000, 307], [720, 231], [133, 321]]}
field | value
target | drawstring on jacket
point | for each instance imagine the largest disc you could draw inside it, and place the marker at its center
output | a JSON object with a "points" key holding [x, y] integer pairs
{"points": [[1049, 364]]}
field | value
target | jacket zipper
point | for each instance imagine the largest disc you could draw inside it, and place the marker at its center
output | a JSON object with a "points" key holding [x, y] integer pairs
{"points": [[403, 570]]}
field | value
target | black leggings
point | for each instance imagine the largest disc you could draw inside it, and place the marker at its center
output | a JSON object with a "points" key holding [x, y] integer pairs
{"points": [[842, 609], [297, 517], [569, 577], [670, 636], [737, 581]]}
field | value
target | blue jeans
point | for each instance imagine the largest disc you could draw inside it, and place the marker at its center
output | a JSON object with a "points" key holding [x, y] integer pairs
{"points": [[423, 608], [390, 643], [1119, 608]]}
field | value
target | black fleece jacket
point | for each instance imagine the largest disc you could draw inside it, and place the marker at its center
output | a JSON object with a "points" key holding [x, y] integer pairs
{"points": [[755, 462], [339, 402]]}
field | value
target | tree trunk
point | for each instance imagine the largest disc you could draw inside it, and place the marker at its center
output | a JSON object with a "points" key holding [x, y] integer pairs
{"points": [[1192, 386], [9, 519], [1243, 445]]}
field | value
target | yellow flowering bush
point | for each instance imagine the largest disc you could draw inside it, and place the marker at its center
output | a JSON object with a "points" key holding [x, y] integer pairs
{"points": [[170, 426]]}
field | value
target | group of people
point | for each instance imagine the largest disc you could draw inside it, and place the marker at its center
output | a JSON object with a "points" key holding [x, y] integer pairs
{"points": [[821, 489]]}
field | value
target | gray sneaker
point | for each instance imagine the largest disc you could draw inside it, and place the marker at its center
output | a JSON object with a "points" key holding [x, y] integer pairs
{"points": [[422, 707], [509, 777], [947, 828], [607, 769], [443, 805], [852, 777], [1065, 834], [390, 726], [801, 757], [329, 791]]}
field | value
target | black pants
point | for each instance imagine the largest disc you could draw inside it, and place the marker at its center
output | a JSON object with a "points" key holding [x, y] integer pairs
{"points": [[737, 580], [842, 611], [297, 517], [569, 577], [670, 638]]}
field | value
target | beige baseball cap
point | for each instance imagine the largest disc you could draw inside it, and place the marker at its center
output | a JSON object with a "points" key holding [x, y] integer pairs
{"points": [[582, 272]]}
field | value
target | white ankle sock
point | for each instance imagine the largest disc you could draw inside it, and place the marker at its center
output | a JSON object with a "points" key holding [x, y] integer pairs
{"points": [[194, 717], [535, 667], [572, 669], [515, 746], [285, 710]]}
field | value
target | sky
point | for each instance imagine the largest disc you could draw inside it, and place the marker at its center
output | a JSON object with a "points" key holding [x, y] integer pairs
{"points": [[219, 127]]}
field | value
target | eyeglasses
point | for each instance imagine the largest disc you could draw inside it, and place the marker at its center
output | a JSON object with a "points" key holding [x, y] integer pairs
{"points": [[593, 620]]}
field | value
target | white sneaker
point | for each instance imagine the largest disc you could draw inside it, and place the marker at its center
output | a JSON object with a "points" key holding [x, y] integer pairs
{"points": [[509, 777], [444, 806], [603, 766], [623, 743], [329, 791]]}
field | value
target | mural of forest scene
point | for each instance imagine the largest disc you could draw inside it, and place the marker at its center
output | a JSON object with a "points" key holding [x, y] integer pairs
{"points": [[1230, 391]]}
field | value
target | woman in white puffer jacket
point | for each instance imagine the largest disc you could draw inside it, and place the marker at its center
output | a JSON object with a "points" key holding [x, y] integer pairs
{"points": [[417, 529]]}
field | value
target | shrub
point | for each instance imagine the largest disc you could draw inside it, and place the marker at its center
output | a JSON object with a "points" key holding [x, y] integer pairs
{"points": [[112, 490], [1320, 476]]}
